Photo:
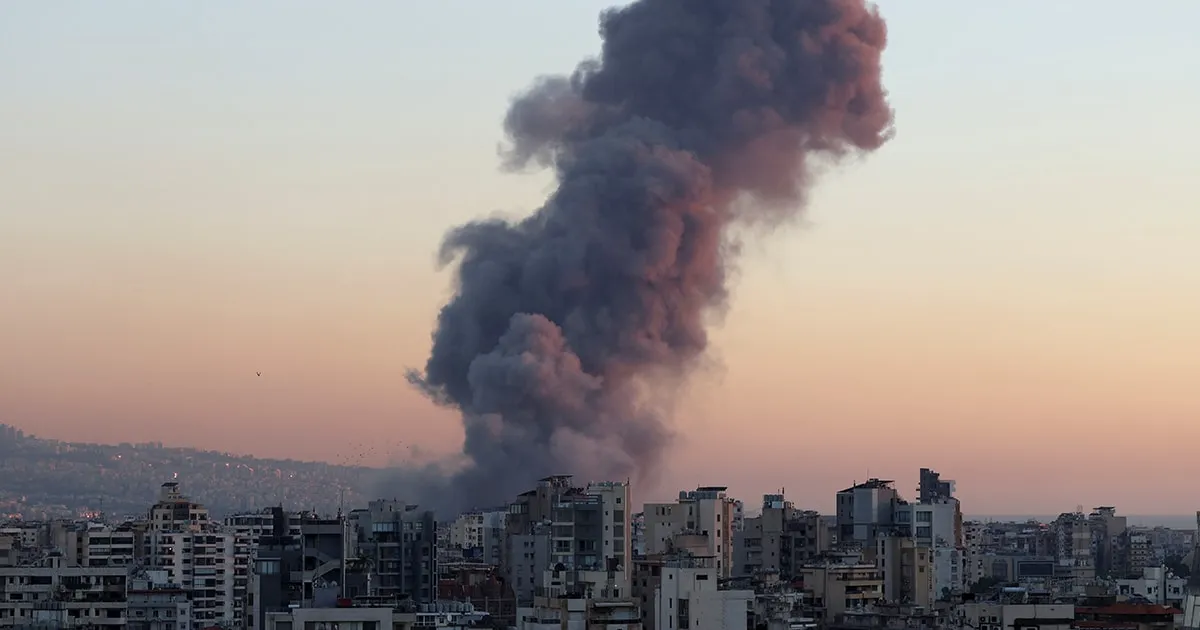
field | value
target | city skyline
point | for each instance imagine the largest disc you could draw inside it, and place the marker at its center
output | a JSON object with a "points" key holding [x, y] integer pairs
{"points": [[1004, 293]]}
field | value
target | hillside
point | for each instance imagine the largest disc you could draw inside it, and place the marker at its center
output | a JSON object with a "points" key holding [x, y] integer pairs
{"points": [[40, 478]]}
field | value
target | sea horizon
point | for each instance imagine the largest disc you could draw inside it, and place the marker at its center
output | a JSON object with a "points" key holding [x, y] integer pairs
{"points": [[1172, 521]]}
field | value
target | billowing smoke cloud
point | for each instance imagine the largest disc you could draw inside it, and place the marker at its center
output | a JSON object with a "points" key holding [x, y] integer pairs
{"points": [[698, 115]]}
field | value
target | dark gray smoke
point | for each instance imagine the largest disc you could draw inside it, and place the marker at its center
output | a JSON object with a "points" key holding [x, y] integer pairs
{"points": [[567, 325]]}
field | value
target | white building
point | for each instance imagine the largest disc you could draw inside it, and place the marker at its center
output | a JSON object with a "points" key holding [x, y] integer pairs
{"points": [[1157, 584], [1003, 616], [90, 544], [705, 511], [937, 525], [688, 598], [107, 546], [195, 553]]}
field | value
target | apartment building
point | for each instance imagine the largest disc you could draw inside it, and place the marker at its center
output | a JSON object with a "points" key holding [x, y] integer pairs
{"points": [[54, 593], [937, 526], [1156, 585], [781, 539], [10, 551], [588, 529], [1015, 612], [195, 553], [907, 570], [399, 541], [837, 588], [1071, 540], [92, 544], [302, 562], [865, 511], [156, 604], [1109, 540], [1140, 552], [477, 536], [580, 599], [684, 591], [706, 512]]}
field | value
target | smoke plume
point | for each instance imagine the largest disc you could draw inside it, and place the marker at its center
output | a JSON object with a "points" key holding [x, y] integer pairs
{"points": [[568, 327]]}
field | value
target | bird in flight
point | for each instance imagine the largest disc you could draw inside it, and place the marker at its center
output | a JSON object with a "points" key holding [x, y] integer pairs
{"points": [[258, 373]]}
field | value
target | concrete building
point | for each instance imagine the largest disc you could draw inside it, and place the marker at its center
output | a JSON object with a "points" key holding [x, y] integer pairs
{"points": [[588, 530], [938, 527], [195, 552], [92, 544], [864, 511], [247, 529], [358, 617], [976, 541], [684, 591], [1071, 538], [616, 503], [305, 570], [1141, 552], [478, 536], [707, 512], [933, 488], [906, 568], [836, 588], [1156, 585], [689, 598], [1109, 542], [1015, 616], [400, 543], [580, 600], [156, 604], [57, 594], [174, 512], [531, 556], [781, 539], [10, 551]]}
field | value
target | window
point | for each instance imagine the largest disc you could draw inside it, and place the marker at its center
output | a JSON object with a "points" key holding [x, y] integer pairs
{"points": [[924, 516]]}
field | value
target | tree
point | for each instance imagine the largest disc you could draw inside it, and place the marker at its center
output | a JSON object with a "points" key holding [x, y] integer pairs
{"points": [[1178, 566], [985, 584]]}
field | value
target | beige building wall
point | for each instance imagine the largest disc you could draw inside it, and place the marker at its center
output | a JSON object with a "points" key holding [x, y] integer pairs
{"points": [[841, 587], [907, 568]]}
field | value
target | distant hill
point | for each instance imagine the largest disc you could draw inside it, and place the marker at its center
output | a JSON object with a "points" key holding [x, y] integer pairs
{"points": [[40, 477]]}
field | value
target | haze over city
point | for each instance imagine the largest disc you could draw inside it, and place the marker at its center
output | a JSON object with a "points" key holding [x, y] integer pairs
{"points": [[191, 195]]}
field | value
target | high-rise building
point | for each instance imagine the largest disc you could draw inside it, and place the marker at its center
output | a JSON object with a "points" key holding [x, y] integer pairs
{"points": [[706, 512], [194, 552], [585, 529], [399, 541], [477, 536], [782, 539], [156, 604], [864, 511], [1109, 542], [932, 487], [301, 564], [55, 593], [1071, 539]]}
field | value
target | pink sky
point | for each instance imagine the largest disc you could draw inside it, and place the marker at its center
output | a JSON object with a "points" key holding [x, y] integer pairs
{"points": [[1006, 293]]}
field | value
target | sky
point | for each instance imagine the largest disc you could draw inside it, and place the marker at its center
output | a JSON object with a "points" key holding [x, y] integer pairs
{"points": [[191, 193]]}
